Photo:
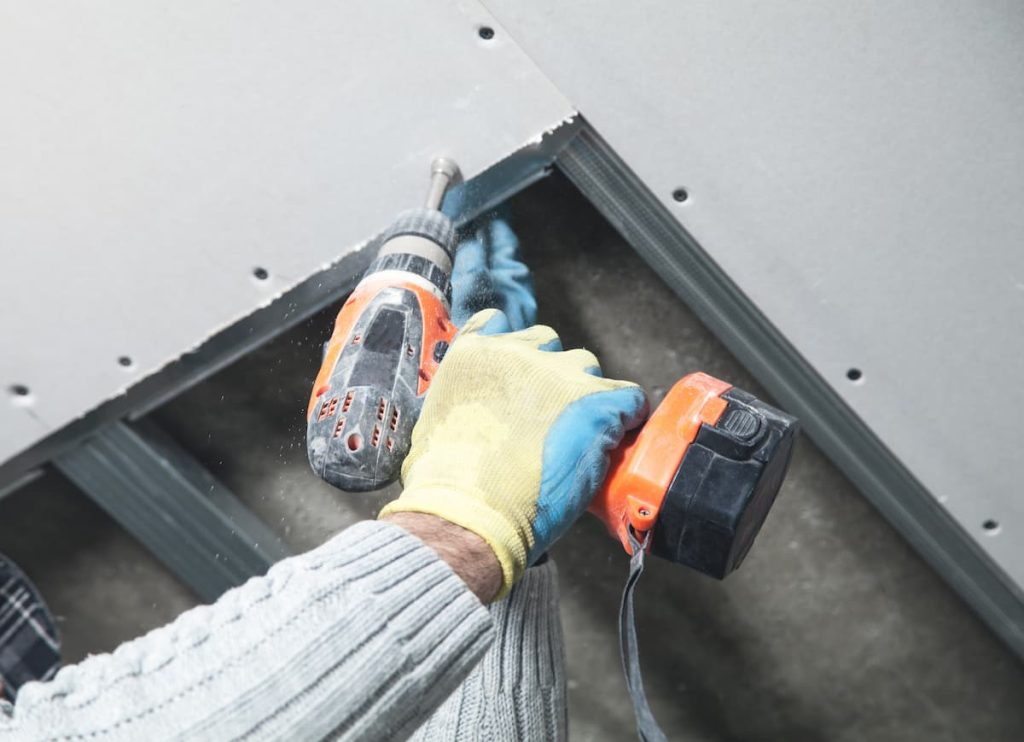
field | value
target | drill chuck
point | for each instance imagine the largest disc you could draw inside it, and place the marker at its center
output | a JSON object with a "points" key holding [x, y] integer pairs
{"points": [[443, 173]]}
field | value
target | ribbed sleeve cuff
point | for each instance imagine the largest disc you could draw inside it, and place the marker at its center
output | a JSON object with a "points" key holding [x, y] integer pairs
{"points": [[518, 691]]}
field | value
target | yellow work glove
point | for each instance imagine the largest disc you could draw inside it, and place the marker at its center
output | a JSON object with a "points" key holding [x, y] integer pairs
{"points": [[514, 437]]}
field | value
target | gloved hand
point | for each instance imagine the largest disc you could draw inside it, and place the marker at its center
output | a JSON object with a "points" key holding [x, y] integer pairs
{"points": [[488, 273], [514, 437]]}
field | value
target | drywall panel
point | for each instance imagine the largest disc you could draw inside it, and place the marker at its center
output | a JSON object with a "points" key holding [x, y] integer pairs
{"points": [[168, 167], [857, 170]]}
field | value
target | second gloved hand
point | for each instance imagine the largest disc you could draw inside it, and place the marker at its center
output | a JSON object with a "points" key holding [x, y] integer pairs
{"points": [[488, 274], [514, 437]]}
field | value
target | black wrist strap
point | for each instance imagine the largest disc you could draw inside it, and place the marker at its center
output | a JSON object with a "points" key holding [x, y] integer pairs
{"points": [[647, 728]]}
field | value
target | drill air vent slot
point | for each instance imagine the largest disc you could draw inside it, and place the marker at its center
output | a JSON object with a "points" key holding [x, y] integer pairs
{"points": [[327, 409], [339, 427], [375, 438], [394, 419], [348, 401], [382, 407]]}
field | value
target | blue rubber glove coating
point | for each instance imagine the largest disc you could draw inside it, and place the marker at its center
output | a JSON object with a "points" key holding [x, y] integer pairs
{"points": [[575, 461], [489, 274]]}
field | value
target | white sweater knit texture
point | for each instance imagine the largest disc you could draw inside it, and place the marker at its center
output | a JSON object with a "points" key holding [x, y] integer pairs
{"points": [[368, 637]]}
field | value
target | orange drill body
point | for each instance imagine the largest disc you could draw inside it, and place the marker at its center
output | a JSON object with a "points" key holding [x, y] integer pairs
{"points": [[387, 341], [642, 468], [696, 481], [436, 322]]}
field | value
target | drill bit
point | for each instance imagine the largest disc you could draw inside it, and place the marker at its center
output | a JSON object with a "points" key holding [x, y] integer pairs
{"points": [[442, 173]]}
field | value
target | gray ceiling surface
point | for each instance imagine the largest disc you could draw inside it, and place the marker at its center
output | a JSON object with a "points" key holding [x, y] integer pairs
{"points": [[857, 170], [154, 155]]}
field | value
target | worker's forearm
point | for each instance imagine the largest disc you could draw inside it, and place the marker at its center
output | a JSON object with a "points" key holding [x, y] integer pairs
{"points": [[467, 554], [363, 637]]}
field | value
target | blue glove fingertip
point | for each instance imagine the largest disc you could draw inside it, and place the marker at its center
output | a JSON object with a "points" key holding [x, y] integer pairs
{"points": [[496, 325]]}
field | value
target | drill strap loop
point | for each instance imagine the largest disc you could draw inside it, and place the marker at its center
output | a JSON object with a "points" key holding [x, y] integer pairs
{"points": [[646, 726]]}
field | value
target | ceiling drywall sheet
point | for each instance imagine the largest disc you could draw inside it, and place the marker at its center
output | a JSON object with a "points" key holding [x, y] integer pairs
{"points": [[858, 171], [154, 155]]}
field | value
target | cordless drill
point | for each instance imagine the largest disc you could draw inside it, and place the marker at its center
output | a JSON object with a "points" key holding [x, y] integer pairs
{"points": [[388, 340], [697, 479]]}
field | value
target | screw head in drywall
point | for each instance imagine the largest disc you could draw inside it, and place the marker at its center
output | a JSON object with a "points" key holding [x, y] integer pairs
{"points": [[20, 394]]}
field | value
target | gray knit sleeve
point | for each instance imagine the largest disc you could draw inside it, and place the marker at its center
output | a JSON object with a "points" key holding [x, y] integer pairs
{"points": [[362, 638], [518, 691]]}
